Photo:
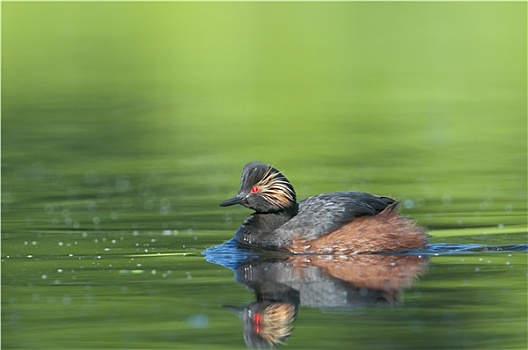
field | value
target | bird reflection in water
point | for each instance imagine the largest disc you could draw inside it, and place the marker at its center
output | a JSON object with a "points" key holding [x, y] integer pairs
{"points": [[327, 282]]}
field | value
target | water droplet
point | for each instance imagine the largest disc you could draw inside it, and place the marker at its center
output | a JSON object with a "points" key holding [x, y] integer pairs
{"points": [[408, 203], [446, 199], [91, 177], [122, 185], [198, 321], [91, 206]]}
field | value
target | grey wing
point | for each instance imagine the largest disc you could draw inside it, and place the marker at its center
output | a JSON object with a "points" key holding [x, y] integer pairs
{"points": [[327, 212]]}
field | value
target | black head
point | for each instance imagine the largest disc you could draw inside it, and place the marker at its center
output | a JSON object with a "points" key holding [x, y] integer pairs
{"points": [[263, 189]]}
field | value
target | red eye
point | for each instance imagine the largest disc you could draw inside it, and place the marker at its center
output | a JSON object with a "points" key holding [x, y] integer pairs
{"points": [[257, 319], [255, 189]]}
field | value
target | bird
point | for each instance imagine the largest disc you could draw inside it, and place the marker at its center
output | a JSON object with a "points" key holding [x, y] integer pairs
{"points": [[329, 223]]}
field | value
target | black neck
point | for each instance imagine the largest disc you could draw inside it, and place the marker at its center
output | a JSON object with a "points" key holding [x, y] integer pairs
{"points": [[260, 226]]}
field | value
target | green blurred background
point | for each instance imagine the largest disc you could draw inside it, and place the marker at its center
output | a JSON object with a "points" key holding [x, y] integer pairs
{"points": [[282, 81], [419, 100]]}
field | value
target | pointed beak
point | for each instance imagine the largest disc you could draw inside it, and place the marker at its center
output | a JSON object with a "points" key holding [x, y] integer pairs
{"points": [[232, 201], [234, 309]]}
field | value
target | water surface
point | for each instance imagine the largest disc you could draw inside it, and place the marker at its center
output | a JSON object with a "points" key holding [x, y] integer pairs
{"points": [[125, 124]]}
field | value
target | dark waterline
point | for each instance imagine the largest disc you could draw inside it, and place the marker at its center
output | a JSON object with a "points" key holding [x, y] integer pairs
{"points": [[231, 254]]}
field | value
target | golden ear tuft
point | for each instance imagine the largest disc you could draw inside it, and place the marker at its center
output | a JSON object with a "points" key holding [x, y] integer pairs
{"points": [[276, 189], [276, 322]]}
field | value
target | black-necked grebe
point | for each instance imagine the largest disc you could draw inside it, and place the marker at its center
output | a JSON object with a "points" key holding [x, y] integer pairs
{"points": [[330, 223]]}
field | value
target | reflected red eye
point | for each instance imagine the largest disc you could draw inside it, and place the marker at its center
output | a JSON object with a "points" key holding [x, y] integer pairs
{"points": [[255, 189], [257, 319]]}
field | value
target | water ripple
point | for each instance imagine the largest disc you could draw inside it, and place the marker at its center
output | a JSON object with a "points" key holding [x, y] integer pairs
{"points": [[230, 254]]}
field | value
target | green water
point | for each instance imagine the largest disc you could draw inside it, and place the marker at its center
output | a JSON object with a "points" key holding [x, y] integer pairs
{"points": [[125, 124]]}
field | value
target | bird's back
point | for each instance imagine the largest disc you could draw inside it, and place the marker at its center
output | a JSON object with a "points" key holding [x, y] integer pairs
{"points": [[327, 212]]}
